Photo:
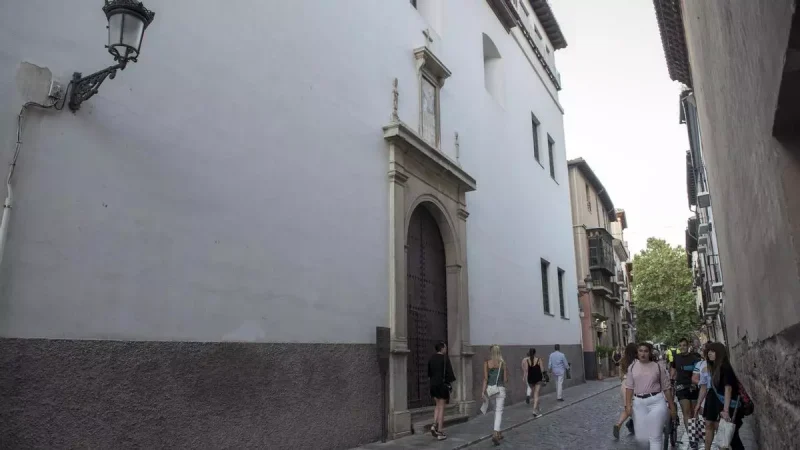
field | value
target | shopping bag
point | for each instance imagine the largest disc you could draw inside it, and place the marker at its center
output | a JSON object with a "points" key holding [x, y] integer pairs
{"points": [[724, 435], [697, 429], [528, 391]]}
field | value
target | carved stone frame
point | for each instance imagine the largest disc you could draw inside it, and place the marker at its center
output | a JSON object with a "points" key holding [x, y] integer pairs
{"points": [[421, 176], [431, 69]]}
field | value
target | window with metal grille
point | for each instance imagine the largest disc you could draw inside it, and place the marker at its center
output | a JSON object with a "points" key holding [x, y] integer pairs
{"points": [[561, 304], [545, 286]]}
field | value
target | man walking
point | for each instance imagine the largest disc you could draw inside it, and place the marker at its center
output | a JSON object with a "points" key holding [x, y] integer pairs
{"points": [[558, 366]]}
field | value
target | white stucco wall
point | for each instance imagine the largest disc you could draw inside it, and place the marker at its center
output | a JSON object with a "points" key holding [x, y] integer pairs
{"points": [[519, 214], [231, 185]]}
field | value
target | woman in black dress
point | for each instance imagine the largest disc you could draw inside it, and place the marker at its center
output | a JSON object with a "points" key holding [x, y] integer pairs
{"points": [[721, 377], [440, 372], [532, 373]]}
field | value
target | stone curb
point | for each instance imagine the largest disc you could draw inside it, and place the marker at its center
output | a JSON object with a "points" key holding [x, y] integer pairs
{"points": [[526, 421]]}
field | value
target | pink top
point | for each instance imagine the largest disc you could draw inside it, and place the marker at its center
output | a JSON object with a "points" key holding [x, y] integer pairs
{"points": [[647, 378]]}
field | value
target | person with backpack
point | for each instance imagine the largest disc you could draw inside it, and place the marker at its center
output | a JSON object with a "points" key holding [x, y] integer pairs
{"points": [[681, 371], [725, 397]]}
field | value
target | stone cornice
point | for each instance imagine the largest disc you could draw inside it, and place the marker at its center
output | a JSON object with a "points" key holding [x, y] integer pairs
{"points": [[409, 140]]}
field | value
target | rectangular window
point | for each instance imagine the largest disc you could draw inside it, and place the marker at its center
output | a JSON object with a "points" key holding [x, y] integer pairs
{"points": [[536, 30], [545, 287], [535, 128], [525, 10], [561, 304], [588, 198], [550, 151]]}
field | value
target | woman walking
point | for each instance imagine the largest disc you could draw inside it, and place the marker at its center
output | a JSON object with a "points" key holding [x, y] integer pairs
{"points": [[532, 376], [495, 378], [648, 395], [440, 372], [720, 393], [629, 355]]}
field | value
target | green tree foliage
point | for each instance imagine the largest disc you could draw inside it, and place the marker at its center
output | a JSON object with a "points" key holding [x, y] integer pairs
{"points": [[662, 293]]}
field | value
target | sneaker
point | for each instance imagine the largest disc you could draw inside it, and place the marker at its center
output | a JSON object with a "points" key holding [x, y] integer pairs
{"points": [[536, 413], [528, 400], [616, 431], [441, 436], [434, 430], [561, 399]]}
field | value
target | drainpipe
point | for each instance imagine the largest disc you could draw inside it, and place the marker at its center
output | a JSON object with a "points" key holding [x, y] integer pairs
{"points": [[6, 218], [9, 192]]}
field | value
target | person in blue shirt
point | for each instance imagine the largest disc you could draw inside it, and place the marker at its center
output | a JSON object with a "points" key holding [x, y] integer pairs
{"points": [[558, 366]]}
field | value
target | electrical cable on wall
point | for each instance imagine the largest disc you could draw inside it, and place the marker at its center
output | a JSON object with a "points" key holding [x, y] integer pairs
{"points": [[9, 191]]}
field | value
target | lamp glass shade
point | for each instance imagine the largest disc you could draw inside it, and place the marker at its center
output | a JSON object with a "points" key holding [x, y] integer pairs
{"points": [[125, 32]]}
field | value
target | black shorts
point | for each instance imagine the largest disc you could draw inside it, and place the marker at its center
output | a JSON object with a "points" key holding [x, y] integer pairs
{"points": [[440, 392], [712, 407], [688, 394]]}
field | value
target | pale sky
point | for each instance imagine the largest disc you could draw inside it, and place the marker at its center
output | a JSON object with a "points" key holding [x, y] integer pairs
{"points": [[621, 113]]}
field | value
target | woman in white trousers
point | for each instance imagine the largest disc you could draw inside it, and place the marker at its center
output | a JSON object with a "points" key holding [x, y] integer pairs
{"points": [[495, 378], [649, 396]]}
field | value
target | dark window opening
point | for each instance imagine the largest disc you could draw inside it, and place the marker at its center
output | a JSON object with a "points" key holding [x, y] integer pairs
{"points": [[561, 304], [545, 287], [535, 128], [551, 150]]}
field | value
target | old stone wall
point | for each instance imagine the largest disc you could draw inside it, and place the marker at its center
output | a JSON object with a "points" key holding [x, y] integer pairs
{"points": [[736, 51], [187, 395]]}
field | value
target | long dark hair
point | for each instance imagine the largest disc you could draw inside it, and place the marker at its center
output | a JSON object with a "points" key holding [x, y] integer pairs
{"points": [[629, 355], [720, 363], [531, 354]]}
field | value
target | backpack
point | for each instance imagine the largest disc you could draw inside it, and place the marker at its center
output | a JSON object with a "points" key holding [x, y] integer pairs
{"points": [[744, 403], [747, 407]]}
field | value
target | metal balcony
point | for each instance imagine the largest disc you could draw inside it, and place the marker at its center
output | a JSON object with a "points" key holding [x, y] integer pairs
{"points": [[703, 199], [601, 250]]}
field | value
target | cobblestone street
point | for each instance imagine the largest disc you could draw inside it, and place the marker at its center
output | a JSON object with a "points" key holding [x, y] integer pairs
{"points": [[585, 425]]}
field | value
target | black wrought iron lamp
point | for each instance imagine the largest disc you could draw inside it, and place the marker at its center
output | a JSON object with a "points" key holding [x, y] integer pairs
{"points": [[127, 21]]}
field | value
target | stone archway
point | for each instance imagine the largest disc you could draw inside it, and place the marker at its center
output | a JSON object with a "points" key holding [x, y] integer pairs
{"points": [[425, 185], [426, 272]]}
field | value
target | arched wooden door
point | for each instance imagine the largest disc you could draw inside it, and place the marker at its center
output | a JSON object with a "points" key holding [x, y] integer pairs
{"points": [[427, 301]]}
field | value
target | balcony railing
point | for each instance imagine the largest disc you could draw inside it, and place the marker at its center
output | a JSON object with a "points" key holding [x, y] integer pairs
{"points": [[714, 273], [601, 250], [602, 283]]}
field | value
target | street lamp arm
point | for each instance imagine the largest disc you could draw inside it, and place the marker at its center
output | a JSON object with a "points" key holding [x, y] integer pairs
{"points": [[84, 88]]}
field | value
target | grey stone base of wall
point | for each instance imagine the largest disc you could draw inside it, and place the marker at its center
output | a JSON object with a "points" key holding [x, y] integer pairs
{"points": [[770, 369], [513, 354], [590, 363], [59, 394]]}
